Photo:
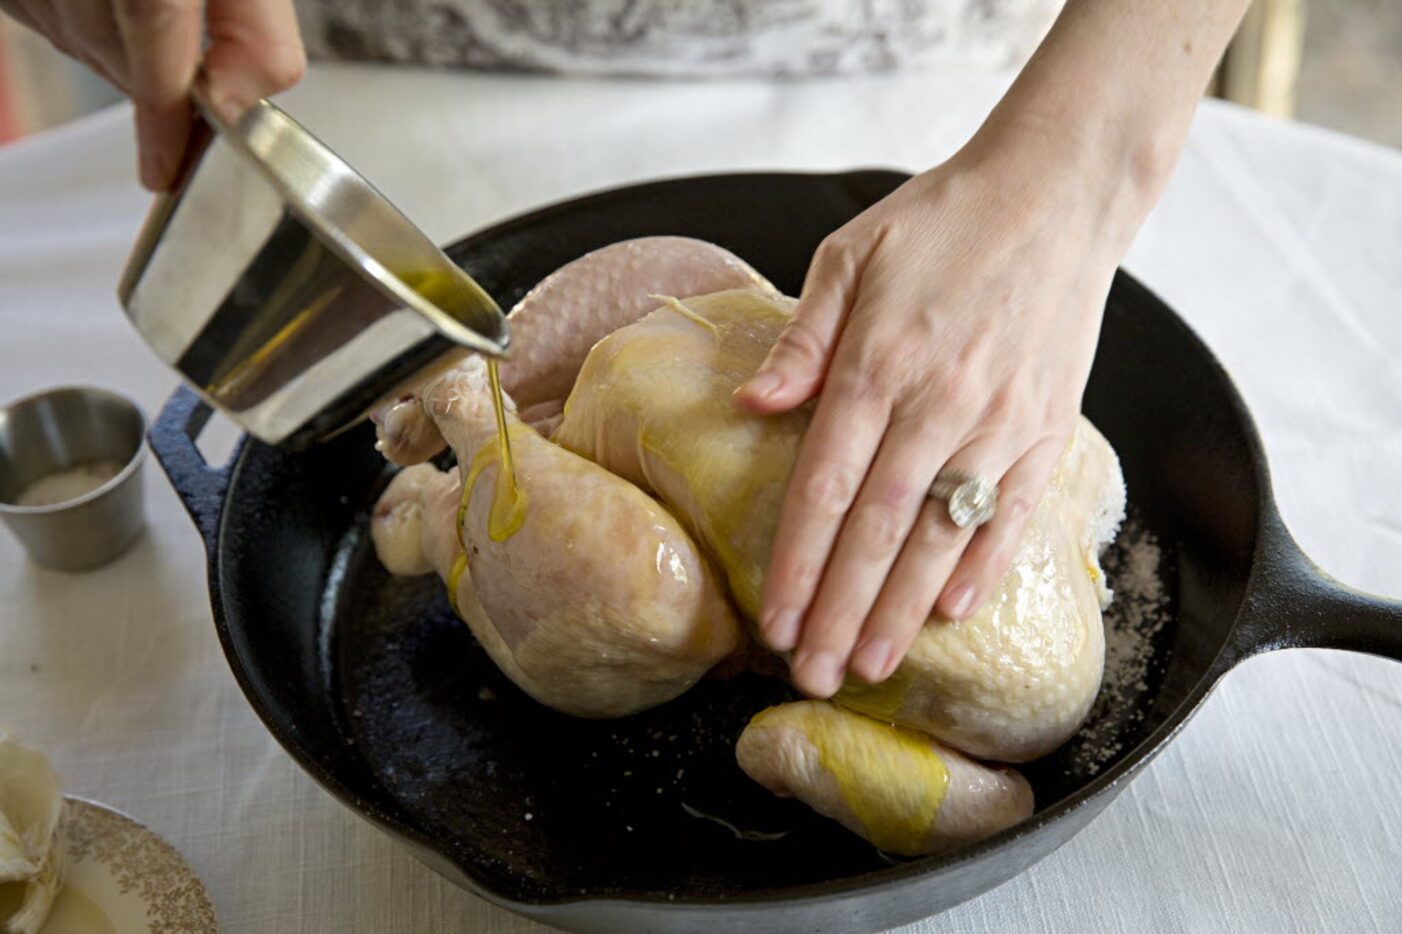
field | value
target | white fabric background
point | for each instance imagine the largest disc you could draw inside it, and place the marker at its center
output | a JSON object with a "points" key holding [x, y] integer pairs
{"points": [[1278, 809]]}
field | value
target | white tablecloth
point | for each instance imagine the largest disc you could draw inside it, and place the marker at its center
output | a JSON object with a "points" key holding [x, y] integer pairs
{"points": [[1279, 808]]}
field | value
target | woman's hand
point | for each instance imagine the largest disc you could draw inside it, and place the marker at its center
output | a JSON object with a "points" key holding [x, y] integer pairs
{"points": [[951, 325], [151, 49]]}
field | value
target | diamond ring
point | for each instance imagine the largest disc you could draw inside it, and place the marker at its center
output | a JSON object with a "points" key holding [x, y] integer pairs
{"points": [[972, 499]]}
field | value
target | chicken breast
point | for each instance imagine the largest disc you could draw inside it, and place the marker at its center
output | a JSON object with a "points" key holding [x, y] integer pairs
{"points": [[557, 322]]}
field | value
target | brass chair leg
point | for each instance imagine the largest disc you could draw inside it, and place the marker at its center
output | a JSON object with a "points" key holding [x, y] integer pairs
{"points": [[1262, 64]]}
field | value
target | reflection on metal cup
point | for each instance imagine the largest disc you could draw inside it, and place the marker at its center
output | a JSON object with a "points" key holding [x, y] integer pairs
{"points": [[286, 290]]}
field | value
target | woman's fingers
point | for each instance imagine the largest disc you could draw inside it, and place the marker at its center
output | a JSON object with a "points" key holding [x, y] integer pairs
{"points": [[162, 43], [255, 49], [990, 553], [873, 535], [832, 463], [92, 35], [793, 371], [930, 554], [151, 49], [961, 299]]}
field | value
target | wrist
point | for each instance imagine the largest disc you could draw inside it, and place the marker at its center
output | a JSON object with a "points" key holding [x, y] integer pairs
{"points": [[1114, 169], [1106, 101]]}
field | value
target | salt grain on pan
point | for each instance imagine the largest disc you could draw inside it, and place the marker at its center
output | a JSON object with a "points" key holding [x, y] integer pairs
{"points": [[1132, 624]]}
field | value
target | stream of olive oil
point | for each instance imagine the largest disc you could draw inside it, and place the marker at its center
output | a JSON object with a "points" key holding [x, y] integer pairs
{"points": [[508, 509]]}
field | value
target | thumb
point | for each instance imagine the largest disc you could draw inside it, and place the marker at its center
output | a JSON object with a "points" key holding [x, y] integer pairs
{"points": [[793, 371]]}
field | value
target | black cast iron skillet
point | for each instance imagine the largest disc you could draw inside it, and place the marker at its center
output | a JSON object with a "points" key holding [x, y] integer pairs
{"points": [[386, 700]]}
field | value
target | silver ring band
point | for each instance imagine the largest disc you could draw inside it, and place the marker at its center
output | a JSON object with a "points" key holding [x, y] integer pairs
{"points": [[972, 499]]}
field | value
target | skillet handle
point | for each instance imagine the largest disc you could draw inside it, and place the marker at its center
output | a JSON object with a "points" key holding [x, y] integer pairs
{"points": [[200, 487], [1293, 603]]}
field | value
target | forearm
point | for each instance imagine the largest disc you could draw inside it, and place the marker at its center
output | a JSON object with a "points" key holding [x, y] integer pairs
{"points": [[1113, 88]]}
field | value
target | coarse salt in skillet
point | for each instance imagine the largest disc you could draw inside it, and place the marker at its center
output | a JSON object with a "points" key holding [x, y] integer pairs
{"points": [[1139, 613]]}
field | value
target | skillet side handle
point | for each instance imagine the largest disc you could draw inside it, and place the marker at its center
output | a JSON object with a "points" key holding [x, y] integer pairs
{"points": [[1293, 603], [200, 487]]}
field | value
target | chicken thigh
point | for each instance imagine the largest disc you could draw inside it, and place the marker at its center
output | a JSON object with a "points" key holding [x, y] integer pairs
{"points": [[652, 403], [598, 605]]}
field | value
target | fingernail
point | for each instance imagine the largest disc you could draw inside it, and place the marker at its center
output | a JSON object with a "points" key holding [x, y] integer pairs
{"points": [[153, 175], [819, 674], [233, 93], [871, 659], [961, 601], [781, 630], [762, 385]]}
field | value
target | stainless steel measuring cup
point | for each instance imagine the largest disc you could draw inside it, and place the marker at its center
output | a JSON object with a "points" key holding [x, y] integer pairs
{"points": [[288, 291]]}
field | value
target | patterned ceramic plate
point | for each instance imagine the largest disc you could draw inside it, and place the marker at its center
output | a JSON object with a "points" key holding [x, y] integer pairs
{"points": [[123, 879]]}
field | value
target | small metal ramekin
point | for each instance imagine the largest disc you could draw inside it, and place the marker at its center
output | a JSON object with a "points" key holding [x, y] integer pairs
{"points": [[57, 430]]}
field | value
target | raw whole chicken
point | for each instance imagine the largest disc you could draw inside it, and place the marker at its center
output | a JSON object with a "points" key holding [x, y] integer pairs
{"points": [[578, 608]]}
